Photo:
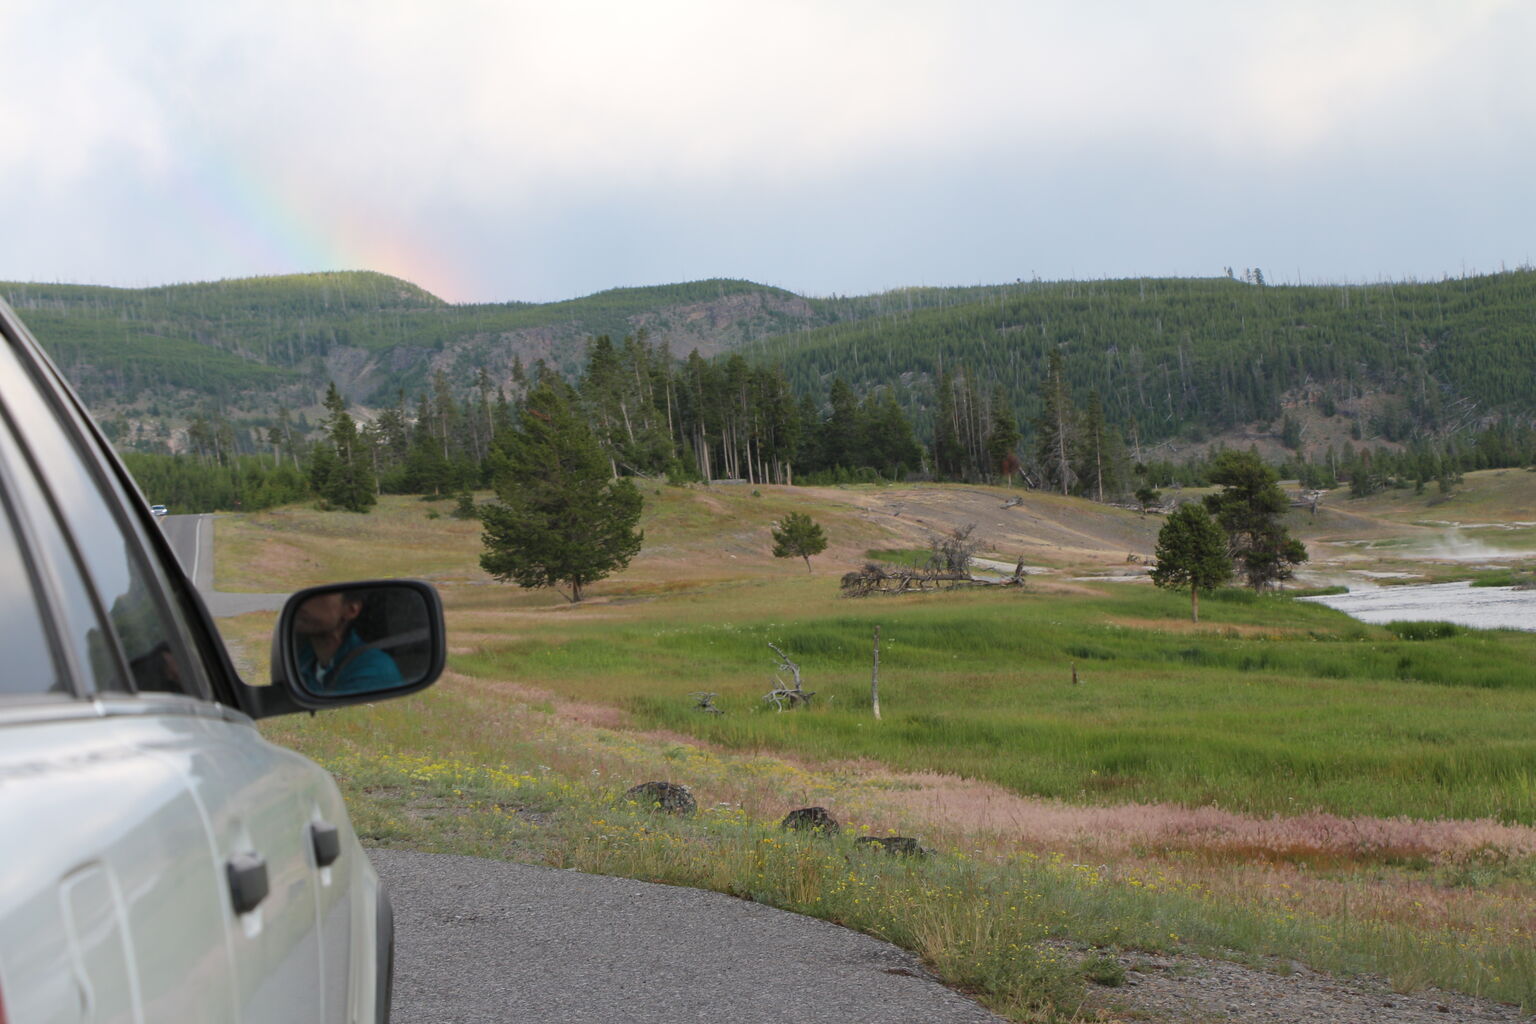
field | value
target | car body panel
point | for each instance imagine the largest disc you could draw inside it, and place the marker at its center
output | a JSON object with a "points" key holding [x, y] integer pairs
{"points": [[99, 825], [133, 780]]}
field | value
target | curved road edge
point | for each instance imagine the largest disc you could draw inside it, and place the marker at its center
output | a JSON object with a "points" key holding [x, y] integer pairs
{"points": [[191, 537], [484, 942]]}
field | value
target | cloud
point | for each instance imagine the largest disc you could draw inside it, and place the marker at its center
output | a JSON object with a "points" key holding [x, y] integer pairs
{"points": [[455, 133]]}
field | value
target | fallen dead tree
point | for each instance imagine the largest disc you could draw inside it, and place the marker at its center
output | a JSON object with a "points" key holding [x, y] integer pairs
{"points": [[786, 696], [880, 579]]}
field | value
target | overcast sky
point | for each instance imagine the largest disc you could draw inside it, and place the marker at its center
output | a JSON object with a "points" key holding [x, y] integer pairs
{"points": [[492, 150]]}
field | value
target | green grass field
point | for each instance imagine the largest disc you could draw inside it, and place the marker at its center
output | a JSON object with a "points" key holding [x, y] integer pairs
{"points": [[1346, 767], [1270, 706]]}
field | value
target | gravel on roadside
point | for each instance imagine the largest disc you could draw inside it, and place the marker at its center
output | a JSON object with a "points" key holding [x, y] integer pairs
{"points": [[1196, 990]]}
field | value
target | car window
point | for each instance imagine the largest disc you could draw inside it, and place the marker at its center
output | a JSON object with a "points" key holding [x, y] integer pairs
{"points": [[129, 588], [80, 624], [29, 664]]}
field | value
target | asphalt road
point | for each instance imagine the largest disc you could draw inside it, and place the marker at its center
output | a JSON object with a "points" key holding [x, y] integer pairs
{"points": [[494, 942], [191, 538]]}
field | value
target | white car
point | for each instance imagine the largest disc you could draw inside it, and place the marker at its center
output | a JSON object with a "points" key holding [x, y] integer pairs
{"points": [[159, 860], [159, 511]]}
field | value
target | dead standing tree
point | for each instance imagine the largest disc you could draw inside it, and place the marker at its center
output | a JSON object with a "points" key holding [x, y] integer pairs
{"points": [[784, 696], [952, 554]]}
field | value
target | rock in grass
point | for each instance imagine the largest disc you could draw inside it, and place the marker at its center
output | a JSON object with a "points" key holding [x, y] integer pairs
{"points": [[904, 845], [662, 796], [817, 820]]}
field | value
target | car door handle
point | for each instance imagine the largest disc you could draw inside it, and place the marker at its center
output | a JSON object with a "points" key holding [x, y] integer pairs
{"points": [[326, 839], [247, 881]]}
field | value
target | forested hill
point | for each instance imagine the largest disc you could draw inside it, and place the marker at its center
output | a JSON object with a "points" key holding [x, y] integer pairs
{"points": [[1176, 355], [245, 345], [1166, 357]]}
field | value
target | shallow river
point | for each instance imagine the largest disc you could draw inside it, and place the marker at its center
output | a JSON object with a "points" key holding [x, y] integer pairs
{"points": [[1461, 603]]}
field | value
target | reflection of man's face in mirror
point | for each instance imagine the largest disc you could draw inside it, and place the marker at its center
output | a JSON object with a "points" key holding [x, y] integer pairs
{"points": [[325, 619]]}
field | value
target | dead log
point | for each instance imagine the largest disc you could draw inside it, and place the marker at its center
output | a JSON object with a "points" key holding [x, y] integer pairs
{"points": [[783, 696], [706, 702], [878, 579]]}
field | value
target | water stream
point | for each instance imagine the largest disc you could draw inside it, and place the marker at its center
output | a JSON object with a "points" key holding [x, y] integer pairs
{"points": [[1461, 603]]}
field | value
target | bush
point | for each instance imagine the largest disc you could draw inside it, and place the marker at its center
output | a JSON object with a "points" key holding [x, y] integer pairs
{"points": [[1104, 969], [1425, 630], [464, 507]]}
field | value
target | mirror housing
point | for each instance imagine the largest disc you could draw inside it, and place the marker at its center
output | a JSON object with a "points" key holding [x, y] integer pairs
{"points": [[355, 643]]}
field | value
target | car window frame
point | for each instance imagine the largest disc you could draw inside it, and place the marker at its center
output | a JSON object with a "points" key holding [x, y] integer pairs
{"points": [[188, 624], [45, 589]]}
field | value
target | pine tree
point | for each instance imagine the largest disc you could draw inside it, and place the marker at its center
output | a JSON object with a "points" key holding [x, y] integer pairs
{"points": [[891, 447], [948, 455], [1096, 451], [1003, 436], [426, 470], [1248, 508], [798, 536], [342, 469], [560, 518], [1054, 430], [842, 434], [1192, 552]]}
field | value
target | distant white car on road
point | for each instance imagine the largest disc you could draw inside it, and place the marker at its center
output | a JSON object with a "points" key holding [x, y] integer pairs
{"points": [[159, 510], [159, 859]]}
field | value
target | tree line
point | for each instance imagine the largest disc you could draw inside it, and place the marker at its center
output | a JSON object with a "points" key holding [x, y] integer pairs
{"points": [[705, 420]]}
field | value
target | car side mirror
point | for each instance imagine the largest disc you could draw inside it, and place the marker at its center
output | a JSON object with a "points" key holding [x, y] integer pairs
{"points": [[349, 643]]}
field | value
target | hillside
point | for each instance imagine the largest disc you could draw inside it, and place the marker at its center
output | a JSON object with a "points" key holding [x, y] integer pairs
{"points": [[1176, 362], [1204, 355], [247, 344]]}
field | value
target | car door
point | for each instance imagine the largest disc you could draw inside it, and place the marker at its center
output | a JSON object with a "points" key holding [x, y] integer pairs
{"points": [[185, 901], [111, 908]]}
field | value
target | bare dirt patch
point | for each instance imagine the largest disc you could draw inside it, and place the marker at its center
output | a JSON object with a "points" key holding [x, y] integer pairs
{"points": [[1042, 528], [601, 716], [1227, 629]]}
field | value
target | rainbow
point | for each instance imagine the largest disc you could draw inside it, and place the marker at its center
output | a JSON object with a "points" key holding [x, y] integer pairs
{"points": [[260, 222]]}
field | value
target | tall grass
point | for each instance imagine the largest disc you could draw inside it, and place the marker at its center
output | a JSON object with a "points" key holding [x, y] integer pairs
{"points": [[1010, 927], [1275, 707], [1209, 781]]}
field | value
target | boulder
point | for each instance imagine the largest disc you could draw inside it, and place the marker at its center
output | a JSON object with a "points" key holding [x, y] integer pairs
{"points": [[817, 820], [662, 796], [905, 845]]}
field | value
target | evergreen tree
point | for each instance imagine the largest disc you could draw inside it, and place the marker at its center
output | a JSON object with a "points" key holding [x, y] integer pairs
{"points": [[798, 536], [389, 439], [1248, 508], [1290, 433], [560, 517], [890, 445], [1003, 437], [842, 434], [1095, 461], [1054, 429], [1192, 552], [341, 470], [426, 470], [948, 455]]}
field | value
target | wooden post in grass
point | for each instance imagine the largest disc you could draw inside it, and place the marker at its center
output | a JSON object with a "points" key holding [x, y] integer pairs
{"points": [[874, 679]]}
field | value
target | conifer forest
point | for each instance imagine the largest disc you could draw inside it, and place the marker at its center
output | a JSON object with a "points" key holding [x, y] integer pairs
{"points": [[252, 392]]}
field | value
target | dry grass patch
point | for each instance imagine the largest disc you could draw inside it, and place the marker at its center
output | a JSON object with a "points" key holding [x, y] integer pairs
{"points": [[296, 546], [1224, 629]]}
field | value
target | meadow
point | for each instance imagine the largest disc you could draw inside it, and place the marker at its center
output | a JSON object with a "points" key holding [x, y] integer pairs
{"points": [[1095, 774]]}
